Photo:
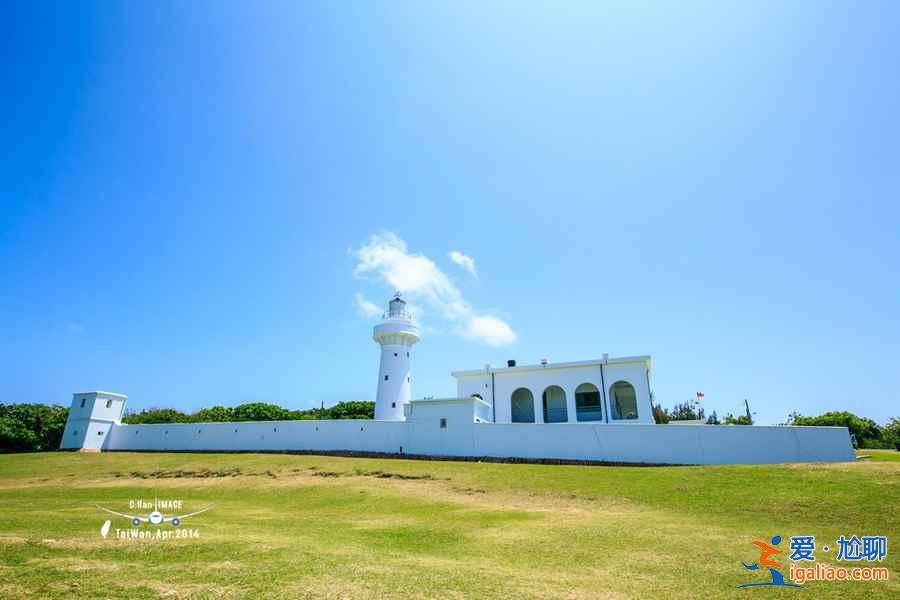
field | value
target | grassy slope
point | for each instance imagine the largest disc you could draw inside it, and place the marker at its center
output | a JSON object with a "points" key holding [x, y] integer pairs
{"points": [[323, 526], [879, 455]]}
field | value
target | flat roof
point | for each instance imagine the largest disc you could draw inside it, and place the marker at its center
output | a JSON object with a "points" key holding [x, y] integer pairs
{"points": [[101, 393], [564, 365], [448, 400]]}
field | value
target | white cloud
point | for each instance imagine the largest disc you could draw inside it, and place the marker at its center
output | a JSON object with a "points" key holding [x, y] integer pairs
{"points": [[490, 330], [466, 262], [386, 257], [367, 308], [416, 275]]}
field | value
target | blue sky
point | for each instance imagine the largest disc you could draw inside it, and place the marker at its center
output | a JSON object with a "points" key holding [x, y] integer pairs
{"points": [[199, 200]]}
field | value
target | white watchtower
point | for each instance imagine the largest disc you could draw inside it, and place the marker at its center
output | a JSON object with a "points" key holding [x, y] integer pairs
{"points": [[396, 333], [91, 417]]}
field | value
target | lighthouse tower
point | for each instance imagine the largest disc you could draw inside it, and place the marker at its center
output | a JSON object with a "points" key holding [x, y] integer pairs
{"points": [[396, 334]]}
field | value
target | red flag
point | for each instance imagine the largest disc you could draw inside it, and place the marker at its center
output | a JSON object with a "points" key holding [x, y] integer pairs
{"points": [[699, 394]]}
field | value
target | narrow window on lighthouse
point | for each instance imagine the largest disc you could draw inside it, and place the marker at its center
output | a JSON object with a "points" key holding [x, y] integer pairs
{"points": [[385, 377], [395, 355]]}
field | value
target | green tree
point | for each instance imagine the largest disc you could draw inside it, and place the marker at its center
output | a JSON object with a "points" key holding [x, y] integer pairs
{"points": [[16, 437], [259, 411], [149, 416], [890, 433], [351, 410], [31, 427], [730, 419], [867, 432], [216, 414], [310, 414], [661, 415], [685, 412]]}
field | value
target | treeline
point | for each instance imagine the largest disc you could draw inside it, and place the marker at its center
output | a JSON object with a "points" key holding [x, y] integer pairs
{"points": [[686, 412], [253, 411]]}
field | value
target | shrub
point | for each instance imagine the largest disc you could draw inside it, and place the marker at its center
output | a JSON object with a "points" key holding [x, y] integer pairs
{"points": [[867, 432], [351, 410], [730, 419], [660, 415], [216, 414], [259, 411], [890, 433], [685, 412], [149, 416]]}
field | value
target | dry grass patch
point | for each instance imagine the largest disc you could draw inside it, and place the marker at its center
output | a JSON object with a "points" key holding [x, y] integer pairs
{"points": [[71, 564], [372, 528]]}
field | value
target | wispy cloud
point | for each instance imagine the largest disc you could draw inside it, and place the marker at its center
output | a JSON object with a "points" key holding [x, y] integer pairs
{"points": [[465, 262], [490, 330], [386, 257], [366, 308]]}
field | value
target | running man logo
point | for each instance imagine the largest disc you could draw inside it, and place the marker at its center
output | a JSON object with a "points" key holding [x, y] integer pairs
{"points": [[764, 561]]}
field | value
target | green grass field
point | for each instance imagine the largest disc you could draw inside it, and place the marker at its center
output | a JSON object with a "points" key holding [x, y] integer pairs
{"points": [[312, 526]]}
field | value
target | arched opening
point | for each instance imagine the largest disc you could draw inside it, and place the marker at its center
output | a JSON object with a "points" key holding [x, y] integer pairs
{"points": [[623, 401], [555, 405], [588, 405], [477, 396], [522, 406]]}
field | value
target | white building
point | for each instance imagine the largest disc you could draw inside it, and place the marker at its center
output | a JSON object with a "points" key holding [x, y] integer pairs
{"points": [[608, 390], [594, 411]]}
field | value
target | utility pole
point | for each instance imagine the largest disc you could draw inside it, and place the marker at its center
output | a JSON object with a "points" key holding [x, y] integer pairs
{"points": [[747, 407]]}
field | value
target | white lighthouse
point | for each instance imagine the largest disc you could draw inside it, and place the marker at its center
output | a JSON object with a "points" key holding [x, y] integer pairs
{"points": [[396, 334]]}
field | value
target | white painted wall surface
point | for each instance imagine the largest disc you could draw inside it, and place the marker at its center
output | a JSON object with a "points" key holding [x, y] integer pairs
{"points": [[92, 416], [579, 441], [663, 444], [272, 436], [394, 382]]}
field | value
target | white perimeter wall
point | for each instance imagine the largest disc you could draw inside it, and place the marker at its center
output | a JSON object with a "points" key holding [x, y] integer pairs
{"points": [[343, 435], [422, 434]]}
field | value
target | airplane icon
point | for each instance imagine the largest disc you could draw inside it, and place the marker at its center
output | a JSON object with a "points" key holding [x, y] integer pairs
{"points": [[155, 517]]}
